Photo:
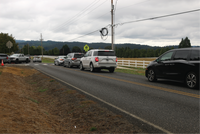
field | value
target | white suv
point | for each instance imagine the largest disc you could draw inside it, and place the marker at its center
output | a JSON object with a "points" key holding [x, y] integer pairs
{"points": [[97, 59]]}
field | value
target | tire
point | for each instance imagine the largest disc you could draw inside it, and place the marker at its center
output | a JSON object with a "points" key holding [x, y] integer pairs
{"points": [[111, 70], [151, 75], [17, 61], [69, 65], [27, 61], [81, 66], [54, 63], [91, 67], [64, 64], [191, 80]]}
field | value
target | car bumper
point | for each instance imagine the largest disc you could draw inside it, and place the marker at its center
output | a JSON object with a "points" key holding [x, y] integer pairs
{"points": [[105, 65]]}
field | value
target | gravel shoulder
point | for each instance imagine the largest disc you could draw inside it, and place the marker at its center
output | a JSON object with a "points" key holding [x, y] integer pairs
{"points": [[32, 102]]}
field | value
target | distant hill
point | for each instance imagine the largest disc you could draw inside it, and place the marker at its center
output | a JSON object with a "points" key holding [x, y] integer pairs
{"points": [[48, 45]]}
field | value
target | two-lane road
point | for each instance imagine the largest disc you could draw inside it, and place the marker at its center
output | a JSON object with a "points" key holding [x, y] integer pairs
{"points": [[166, 106]]}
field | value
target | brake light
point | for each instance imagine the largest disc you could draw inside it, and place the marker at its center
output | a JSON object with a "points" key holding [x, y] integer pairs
{"points": [[74, 58], [61, 59], [116, 59], [6, 57], [96, 59]]}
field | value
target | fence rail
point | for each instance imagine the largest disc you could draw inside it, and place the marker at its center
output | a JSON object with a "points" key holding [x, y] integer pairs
{"points": [[133, 63]]}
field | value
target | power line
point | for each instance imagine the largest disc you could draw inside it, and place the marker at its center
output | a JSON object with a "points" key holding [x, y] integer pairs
{"points": [[79, 14], [87, 34], [78, 17], [153, 18]]}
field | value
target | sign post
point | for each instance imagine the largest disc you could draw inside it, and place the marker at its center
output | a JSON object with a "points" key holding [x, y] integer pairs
{"points": [[9, 45]]}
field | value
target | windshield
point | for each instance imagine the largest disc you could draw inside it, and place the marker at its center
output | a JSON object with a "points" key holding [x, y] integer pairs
{"points": [[14, 55], [62, 57], [106, 53]]}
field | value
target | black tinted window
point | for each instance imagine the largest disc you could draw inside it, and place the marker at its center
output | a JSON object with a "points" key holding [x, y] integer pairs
{"points": [[195, 55], [106, 53], [181, 55], [3, 55], [78, 55], [166, 56]]}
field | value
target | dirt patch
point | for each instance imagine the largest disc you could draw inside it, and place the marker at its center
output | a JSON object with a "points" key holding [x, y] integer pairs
{"points": [[32, 102]]}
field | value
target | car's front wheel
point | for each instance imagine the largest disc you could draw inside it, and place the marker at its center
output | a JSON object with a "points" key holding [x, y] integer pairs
{"points": [[151, 75], [81, 66], [191, 80]]}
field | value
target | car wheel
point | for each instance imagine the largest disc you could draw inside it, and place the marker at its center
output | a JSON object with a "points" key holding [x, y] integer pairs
{"points": [[191, 80], [81, 66], [54, 63], [151, 75], [64, 64], [69, 65], [26, 60], [111, 70], [91, 68], [17, 61]]}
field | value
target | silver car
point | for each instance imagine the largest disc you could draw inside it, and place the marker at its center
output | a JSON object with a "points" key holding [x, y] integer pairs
{"points": [[59, 60], [97, 59], [73, 59], [37, 59]]}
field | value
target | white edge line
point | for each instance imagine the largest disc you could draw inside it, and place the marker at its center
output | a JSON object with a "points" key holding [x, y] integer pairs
{"points": [[132, 115]]}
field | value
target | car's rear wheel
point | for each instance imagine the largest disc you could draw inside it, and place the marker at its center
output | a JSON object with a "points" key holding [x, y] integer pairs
{"points": [[64, 64], [191, 80], [151, 75], [111, 70], [27, 61], [91, 67], [81, 66], [17, 61], [69, 65]]}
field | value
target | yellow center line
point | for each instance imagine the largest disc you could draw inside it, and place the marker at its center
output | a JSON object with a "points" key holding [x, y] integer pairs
{"points": [[146, 85]]}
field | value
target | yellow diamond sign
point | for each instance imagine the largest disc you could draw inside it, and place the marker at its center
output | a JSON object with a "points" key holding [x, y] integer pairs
{"points": [[86, 48]]}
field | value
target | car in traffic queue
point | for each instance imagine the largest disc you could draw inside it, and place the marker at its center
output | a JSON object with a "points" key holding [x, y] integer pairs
{"points": [[177, 64], [37, 59], [97, 59], [18, 58], [73, 59], [59, 60], [5, 58]]}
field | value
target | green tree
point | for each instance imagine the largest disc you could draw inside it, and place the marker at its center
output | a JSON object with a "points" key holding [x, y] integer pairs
{"points": [[76, 49], [108, 47], [64, 50], [55, 51], [184, 43], [4, 38]]}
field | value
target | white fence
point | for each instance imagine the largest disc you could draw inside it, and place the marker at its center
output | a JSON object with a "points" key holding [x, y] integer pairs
{"points": [[133, 63]]}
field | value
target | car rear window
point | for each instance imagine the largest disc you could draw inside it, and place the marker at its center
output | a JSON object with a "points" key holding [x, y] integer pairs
{"points": [[3, 55], [195, 55], [104, 53], [78, 55]]}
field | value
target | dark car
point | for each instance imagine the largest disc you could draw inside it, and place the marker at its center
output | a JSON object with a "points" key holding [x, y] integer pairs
{"points": [[73, 59], [5, 58], [177, 64]]}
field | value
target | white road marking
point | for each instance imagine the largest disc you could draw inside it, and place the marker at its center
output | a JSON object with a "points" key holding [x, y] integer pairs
{"points": [[132, 115], [45, 64]]}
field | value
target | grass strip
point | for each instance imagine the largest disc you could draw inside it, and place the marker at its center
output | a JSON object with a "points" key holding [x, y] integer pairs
{"points": [[47, 60]]}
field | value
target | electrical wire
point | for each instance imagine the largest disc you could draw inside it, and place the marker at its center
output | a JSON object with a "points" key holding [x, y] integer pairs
{"points": [[153, 18], [79, 14], [79, 17]]}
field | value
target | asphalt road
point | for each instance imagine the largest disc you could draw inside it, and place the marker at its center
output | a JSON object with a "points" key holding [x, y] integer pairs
{"points": [[167, 106]]}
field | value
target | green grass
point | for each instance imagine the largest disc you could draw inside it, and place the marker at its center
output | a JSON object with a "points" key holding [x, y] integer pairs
{"points": [[47, 60], [42, 90], [33, 100], [93, 128], [137, 71], [0, 73]]}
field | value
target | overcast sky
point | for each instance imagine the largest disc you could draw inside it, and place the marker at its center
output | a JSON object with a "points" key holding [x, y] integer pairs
{"points": [[65, 20]]}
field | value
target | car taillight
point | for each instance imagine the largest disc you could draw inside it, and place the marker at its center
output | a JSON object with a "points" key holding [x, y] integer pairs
{"points": [[61, 59], [74, 58], [6, 57], [116, 59], [96, 59]]}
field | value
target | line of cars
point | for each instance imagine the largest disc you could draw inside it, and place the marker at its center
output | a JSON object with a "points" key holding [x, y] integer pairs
{"points": [[16, 58], [94, 60]]}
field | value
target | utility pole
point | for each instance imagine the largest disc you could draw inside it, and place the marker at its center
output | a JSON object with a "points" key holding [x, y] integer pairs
{"points": [[112, 26], [28, 48], [41, 45]]}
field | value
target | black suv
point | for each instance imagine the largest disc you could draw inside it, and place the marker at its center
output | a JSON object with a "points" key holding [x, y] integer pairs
{"points": [[177, 64]]}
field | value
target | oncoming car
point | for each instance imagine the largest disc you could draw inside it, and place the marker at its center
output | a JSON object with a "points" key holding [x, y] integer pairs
{"points": [[177, 64], [97, 59], [59, 61], [37, 59]]}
